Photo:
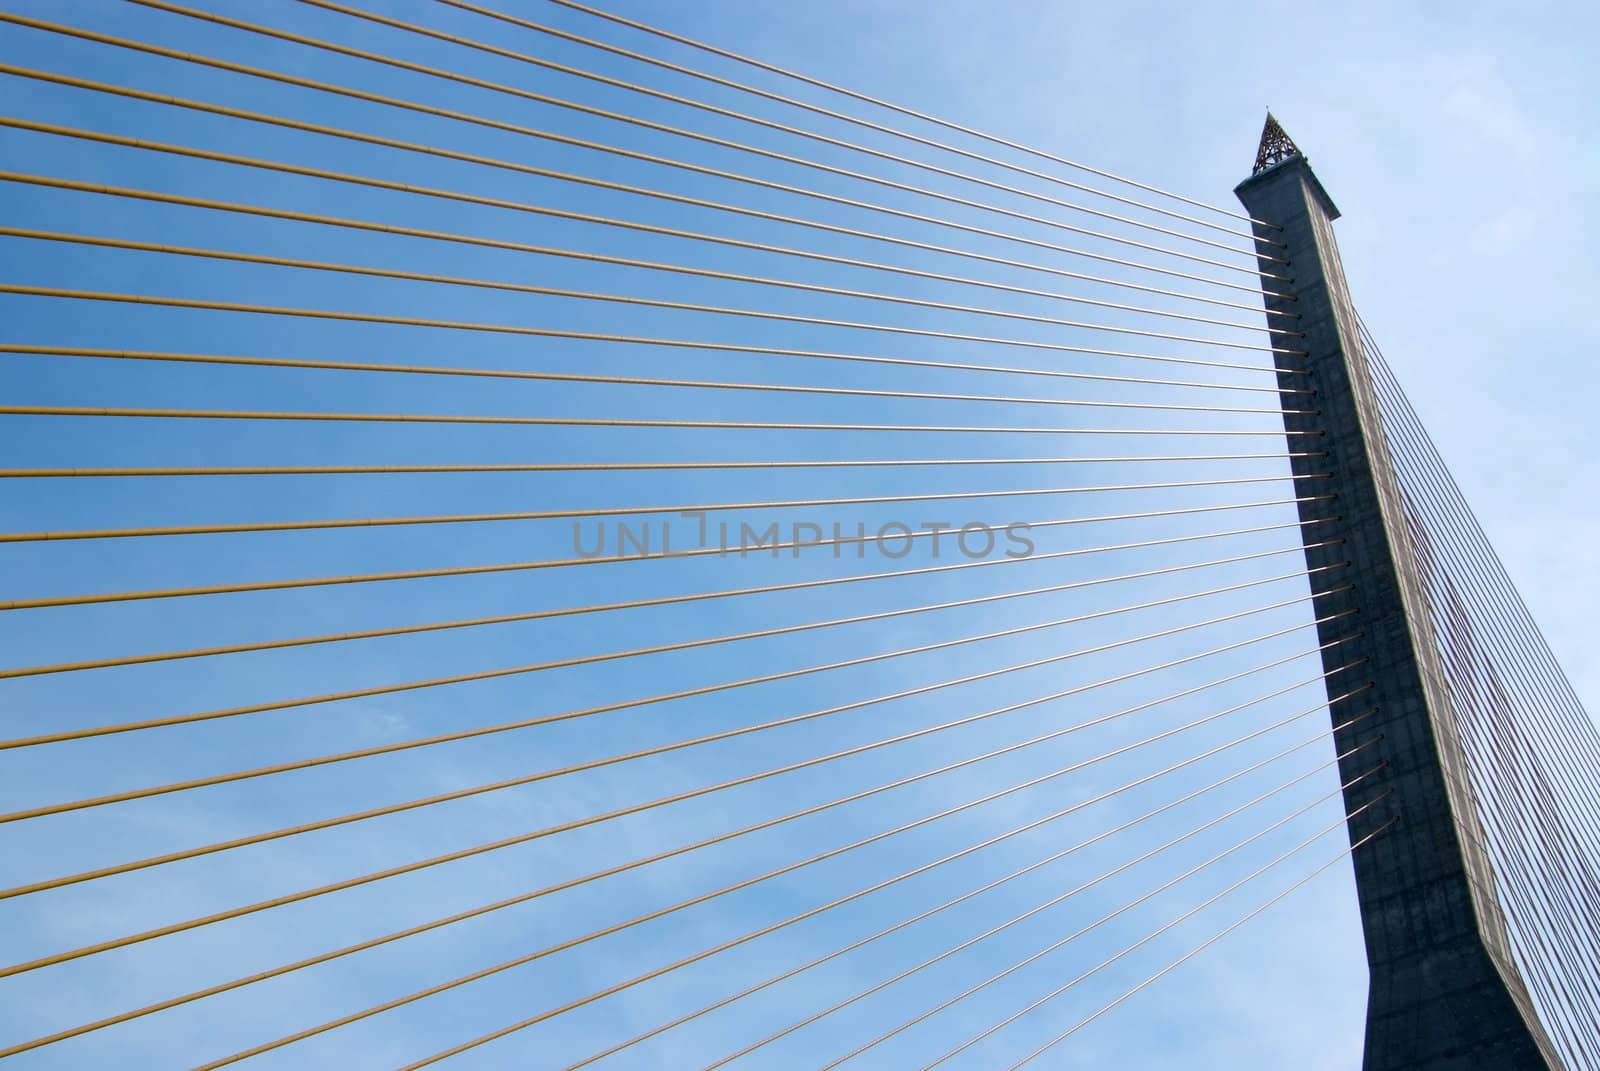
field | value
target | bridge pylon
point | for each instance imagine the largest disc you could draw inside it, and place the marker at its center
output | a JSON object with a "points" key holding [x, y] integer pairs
{"points": [[1445, 992]]}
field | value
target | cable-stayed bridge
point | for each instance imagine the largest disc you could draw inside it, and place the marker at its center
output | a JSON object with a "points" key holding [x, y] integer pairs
{"points": [[532, 540]]}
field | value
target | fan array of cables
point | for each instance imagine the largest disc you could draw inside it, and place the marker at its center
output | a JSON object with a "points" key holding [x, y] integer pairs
{"points": [[1531, 749], [532, 540]]}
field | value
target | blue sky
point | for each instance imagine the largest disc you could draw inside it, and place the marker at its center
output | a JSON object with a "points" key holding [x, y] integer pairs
{"points": [[1452, 140]]}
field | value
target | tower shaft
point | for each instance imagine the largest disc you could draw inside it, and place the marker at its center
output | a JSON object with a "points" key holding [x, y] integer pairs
{"points": [[1446, 993]]}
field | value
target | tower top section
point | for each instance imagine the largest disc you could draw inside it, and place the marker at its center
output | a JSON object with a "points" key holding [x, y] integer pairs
{"points": [[1279, 159], [1276, 146]]}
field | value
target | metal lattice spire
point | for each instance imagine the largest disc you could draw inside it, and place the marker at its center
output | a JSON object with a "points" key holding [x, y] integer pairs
{"points": [[1276, 146]]}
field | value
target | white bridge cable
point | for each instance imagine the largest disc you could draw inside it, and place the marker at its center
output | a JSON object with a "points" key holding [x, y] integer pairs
{"points": [[1514, 712], [1001, 927], [1078, 979], [1494, 601], [1198, 949], [706, 954], [1469, 551], [1527, 839]]}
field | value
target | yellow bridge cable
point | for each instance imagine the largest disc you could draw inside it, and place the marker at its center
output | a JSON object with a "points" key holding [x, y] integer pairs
{"points": [[600, 466], [561, 139], [529, 837], [507, 286], [698, 105], [462, 197], [112, 870], [609, 511], [967, 896], [622, 868], [1207, 943], [744, 938], [645, 381], [456, 238], [512, 671], [516, 167], [1146, 897], [866, 99], [544, 332], [98, 598], [815, 109], [620, 422], [1208, 902], [562, 377], [632, 604]]}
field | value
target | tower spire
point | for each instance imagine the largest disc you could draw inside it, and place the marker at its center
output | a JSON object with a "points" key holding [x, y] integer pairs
{"points": [[1276, 146]]}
